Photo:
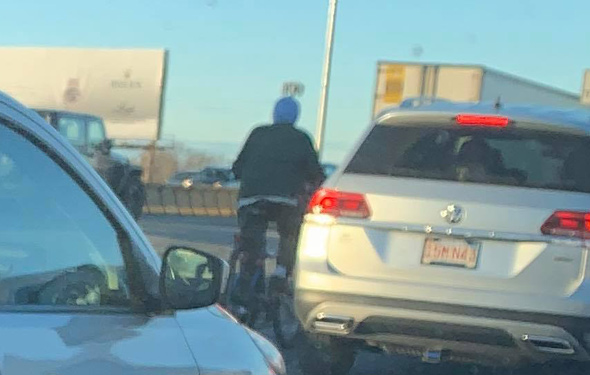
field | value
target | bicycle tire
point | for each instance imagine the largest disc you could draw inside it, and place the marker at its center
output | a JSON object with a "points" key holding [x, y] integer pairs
{"points": [[286, 327], [231, 279], [256, 304], [253, 308]]}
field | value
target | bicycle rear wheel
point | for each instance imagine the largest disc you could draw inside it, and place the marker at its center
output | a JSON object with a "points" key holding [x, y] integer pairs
{"points": [[284, 320], [232, 277]]}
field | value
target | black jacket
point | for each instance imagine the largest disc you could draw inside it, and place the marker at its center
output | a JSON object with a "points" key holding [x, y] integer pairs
{"points": [[277, 160]]}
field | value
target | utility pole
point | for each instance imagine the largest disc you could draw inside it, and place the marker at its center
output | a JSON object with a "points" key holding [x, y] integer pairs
{"points": [[322, 112]]}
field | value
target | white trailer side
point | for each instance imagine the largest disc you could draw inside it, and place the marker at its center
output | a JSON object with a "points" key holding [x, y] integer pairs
{"points": [[512, 89], [460, 83]]}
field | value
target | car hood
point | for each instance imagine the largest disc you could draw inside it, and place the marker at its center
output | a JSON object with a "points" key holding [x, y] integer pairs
{"points": [[219, 343], [92, 344], [203, 341]]}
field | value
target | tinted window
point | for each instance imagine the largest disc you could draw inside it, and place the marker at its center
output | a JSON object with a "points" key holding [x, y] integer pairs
{"points": [[56, 245], [491, 156], [214, 175], [72, 128], [183, 175], [95, 132]]}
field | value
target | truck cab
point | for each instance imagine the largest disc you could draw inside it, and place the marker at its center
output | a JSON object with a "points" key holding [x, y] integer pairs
{"points": [[87, 134]]}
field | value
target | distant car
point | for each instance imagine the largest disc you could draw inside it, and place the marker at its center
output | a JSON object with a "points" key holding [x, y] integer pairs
{"points": [[457, 232], [208, 177], [87, 134], [81, 289], [183, 179]]}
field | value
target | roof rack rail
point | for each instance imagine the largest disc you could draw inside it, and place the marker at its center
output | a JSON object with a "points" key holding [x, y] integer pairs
{"points": [[420, 101]]}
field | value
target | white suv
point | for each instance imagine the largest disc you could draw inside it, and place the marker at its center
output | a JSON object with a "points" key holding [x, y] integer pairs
{"points": [[454, 232]]}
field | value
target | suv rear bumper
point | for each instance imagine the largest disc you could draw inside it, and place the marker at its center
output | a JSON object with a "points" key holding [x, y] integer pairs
{"points": [[456, 333]]}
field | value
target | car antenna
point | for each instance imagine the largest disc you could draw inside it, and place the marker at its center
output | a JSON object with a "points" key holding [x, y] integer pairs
{"points": [[498, 104]]}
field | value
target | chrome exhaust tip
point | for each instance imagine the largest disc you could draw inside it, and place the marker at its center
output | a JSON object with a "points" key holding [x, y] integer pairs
{"points": [[334, 324], [548, 344]]}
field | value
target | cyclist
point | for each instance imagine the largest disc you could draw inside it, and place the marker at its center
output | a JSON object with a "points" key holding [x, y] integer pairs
{"points": [[275, 166]]}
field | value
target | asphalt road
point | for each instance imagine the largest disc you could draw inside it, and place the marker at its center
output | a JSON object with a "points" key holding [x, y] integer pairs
{"points": [[206, 231], [215, 235]]}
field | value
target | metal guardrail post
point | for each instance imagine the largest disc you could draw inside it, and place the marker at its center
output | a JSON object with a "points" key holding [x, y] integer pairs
{"points": [[225, 193], [146, 206], [160, 198], [176, 201], [204, 200], [190, 201], [234, 200], [161, 195], [231, 209], [216, 195]]}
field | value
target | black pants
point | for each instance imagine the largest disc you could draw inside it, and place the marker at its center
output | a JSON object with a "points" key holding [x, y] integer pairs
{"points": [[254, 220]]}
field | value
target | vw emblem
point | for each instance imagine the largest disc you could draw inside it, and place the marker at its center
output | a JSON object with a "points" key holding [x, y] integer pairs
{"points": [[453, 214]]}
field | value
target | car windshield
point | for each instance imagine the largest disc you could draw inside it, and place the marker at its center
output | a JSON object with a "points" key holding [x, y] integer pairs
{"points": [[184, 175], [514, 157], [216, 174]]}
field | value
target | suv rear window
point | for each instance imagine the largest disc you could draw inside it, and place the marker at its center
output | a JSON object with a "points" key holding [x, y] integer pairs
{"points": [[516, 157]]}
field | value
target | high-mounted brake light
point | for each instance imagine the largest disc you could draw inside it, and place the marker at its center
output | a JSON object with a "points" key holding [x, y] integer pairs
{"points": [[569, 224], [339, 204], [482, 120]]}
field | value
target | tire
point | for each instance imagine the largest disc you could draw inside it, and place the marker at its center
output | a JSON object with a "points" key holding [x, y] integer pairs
{"points": [[233, 262], [248, 317], [257, 303], [324, 355], [284, 321], [135, 197]]}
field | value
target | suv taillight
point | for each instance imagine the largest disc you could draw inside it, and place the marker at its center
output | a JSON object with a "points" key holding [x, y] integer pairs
{"points": [[568, 223], [339, 204]]}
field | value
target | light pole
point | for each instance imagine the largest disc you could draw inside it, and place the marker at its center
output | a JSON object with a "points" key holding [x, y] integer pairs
{"points": [[322, 112]]}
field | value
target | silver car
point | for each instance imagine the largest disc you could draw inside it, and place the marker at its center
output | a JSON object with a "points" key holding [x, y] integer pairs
{"points": [[82, 291], [453, 233]]}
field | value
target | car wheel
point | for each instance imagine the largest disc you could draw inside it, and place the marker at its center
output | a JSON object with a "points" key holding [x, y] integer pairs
{"points": [[135, 198], [319, 354]]}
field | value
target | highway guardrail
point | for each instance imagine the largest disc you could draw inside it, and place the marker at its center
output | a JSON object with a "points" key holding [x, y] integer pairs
{"points": [[194, 201]]}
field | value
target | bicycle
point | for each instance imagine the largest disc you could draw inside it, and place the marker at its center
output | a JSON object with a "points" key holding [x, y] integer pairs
{"points": [[275, 303]]}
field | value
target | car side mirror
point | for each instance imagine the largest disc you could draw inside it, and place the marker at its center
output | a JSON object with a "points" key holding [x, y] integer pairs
{"points": [[191, 278], [106, 146], [103, 147]]}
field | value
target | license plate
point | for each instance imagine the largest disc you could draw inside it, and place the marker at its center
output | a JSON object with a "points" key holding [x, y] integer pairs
{"points": [[451, 252]]}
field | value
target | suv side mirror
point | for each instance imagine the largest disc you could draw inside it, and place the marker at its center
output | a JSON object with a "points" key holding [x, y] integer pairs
{"points": [[103, 147], [106, 146], [191, 278]]}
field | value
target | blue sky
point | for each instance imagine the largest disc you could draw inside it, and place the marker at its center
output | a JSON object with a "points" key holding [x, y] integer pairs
{"points": [[228, 58]]}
